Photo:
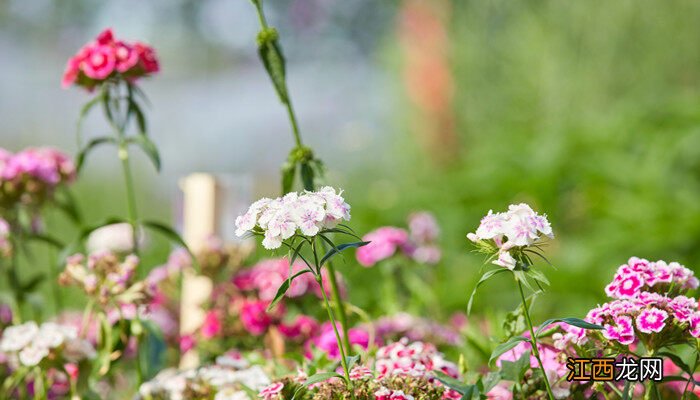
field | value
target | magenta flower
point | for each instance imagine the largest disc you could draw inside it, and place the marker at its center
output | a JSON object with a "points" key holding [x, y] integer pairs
{"points": [[272, 391], [303, 327], [99, 62], [256, 319], [187, 343], [651, 320]]}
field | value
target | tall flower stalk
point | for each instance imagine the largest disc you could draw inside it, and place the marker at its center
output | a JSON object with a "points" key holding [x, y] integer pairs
{"points": [[301, 222], [510, 239], [301, 158]]}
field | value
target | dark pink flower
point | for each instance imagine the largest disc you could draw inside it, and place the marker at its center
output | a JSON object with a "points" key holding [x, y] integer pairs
{"points": [[147, 56], [651, 320], [302, 328], [256, 319], [127, 57], [326, 340], [99, 62]]}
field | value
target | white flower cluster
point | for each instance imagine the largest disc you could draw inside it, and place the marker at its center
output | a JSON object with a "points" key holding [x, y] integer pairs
{"points": [[520, 226], [307, 212], [28, 344], [223, 378]]}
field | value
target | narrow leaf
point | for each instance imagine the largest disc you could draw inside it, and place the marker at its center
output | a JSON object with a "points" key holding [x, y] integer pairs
{"points": [[336, 250], [486, 276], [148, 147], [577, 322], [284, 287], [504, 347], [80, 158]]}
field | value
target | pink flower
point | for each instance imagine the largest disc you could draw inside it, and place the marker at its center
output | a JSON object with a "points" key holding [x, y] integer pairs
{"points": [[326, 340], [629, 286], [255, 317], [99, 62], [423, 227], [272, 391], [126, 56], [72, 371], [212, 325], [360, 372], [187, 343], [500, 392], [106, 37], [147, 56], [302, 328], [383, 244], [651, 320]]}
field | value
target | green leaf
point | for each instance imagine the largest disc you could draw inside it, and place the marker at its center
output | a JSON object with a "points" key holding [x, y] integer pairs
{"points": [[289, 170], [521, 277], [320, 377], [140, 118], [271, 55], [490, 381], [50, 240], [577, 322], [676, 360], [33, 283], [451, 382], [284, 287], [486, 276], [504, 347], [352, 360], [80, 158], [84, 112], [148, 147], [338, 249], [538, 276], [515, 371], [307, 176]]}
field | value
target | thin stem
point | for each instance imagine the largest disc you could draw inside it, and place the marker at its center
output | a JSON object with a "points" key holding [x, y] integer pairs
{"points": [[130, 195], [339, 304], [339, 341], [533, 341], [139, 370], [286, 100]]}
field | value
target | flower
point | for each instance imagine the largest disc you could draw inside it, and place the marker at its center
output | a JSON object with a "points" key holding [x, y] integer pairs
{"points": [[383, 244], [106, 277], [31, 343], [326, 340], [306, 213], [651, 320], [360, 372], [272, 391], [415, 359], [255, 317], [640, 275], [105, 57], [31, 176], [516, 228], [303, 327], [211, 327]]}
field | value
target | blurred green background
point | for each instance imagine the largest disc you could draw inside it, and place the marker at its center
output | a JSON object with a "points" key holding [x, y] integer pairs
{"points": [[589, 111]]}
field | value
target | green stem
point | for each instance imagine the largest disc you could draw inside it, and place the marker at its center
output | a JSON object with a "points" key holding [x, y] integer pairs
{"points": [[130, 195], [286, 100], [339, 304], [533, 341], [339, 341], [139, 369], [343, 359]]}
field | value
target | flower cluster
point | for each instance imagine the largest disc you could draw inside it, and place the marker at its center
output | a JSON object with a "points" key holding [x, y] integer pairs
{"points": [[223, 380], [413, 359], [281, 218], [105, 277], [31, 176], [326, 341], [107, 57], [29, 344], [416, 329], [648, 306], [514, 229], [417, 243], [640, 275], [5, 242], [265, 277]]}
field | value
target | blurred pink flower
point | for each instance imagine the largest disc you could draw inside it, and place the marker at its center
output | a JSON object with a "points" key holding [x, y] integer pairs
{"points": [[187, 343], [211, 327], [99, 62], [383, 244], [326, 340], [255, 317], [302, 328]]}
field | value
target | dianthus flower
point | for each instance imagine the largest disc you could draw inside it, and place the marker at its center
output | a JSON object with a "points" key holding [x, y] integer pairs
{"points": [[107, 57], [105, 277], [517, 228], [29, 344], [640, 275], [304, 213]]}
